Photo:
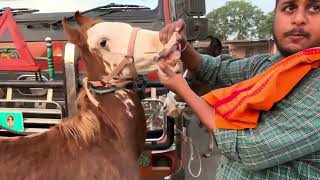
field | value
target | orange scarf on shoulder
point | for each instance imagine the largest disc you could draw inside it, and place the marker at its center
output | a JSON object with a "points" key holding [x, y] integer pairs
{"points": [[239, 106]]}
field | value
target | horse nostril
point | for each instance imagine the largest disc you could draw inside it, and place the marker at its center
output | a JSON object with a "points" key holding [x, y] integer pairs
{"points": [[103, 43]]}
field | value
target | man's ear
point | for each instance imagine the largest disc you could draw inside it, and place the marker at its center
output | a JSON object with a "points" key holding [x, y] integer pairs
{"points": [[73, 34]]}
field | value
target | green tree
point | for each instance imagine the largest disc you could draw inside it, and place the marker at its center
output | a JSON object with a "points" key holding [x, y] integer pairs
{"points": [[237, 19], [266, 25]]}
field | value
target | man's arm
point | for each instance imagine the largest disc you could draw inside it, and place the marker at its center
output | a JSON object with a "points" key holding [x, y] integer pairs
{"points": [[189, 56], [225, 70]]}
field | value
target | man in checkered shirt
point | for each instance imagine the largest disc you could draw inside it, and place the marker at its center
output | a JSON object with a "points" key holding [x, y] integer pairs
{"points": [[286, 142]]}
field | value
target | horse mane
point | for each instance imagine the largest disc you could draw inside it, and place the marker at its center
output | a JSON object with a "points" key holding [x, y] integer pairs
{"points": [[84, 126]]}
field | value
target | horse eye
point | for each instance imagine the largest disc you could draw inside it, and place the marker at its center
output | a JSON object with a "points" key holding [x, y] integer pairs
{"points": [[103, 43]]}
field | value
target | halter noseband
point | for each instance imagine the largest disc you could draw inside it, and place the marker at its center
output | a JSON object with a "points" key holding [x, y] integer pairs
{"points": [[113, 82]]}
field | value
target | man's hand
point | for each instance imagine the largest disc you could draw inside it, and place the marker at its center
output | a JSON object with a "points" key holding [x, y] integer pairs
{"points": [[168, 73], [177, 26], [171, 77], [189, 56], [171, 51]]}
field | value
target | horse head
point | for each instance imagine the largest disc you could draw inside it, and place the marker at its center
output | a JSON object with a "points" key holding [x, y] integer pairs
{"points": [[105, 45]]}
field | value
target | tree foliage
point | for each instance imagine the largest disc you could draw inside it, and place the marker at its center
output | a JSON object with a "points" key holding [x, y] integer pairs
{"points": [[239, 19], [265, 27]]}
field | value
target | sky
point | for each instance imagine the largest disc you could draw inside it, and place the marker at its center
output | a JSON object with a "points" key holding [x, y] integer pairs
{"points": [[265, 5], [73, 5]]}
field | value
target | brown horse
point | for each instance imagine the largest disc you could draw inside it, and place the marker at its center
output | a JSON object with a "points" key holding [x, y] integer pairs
{"points": [[105, 137]]}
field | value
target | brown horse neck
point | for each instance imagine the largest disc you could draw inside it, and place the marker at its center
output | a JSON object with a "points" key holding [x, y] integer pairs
{"points": [[108, 120]]}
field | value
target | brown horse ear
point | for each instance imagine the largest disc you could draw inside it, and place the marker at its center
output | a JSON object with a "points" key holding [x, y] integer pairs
{"points": [[73, 35], [85, 22], [81, 20]]}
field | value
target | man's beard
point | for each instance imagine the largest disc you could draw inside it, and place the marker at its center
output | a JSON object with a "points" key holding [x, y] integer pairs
{"points": [[285, 52]]}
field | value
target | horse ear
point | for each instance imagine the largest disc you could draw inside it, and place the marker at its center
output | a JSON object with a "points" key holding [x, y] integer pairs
{"points": [[73, 35], [81, 20]]}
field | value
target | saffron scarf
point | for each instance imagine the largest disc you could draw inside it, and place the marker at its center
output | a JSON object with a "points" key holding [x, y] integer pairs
{"points": [[239, 106]]}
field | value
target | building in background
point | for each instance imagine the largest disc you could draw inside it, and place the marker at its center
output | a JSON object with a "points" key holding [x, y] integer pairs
{"points": [[241, 48], [247, 48]]}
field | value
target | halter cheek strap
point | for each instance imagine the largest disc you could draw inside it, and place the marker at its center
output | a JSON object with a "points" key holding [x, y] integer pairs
{"points": [[131, 52], [128, 60]]}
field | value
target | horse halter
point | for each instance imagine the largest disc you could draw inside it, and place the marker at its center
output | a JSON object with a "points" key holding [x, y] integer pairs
{"points": [[113, 82]]}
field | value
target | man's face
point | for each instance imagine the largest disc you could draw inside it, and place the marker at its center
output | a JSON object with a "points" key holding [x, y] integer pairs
{"points": [[297, 25]]}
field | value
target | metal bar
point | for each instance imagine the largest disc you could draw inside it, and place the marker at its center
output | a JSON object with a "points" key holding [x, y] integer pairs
{"points": [[9, 93], [154, 84], [50, 95], [153, 93], [34, 130], [50, 58], [32, 110], [71, 77], [32, 101], [31, 84], [41, 121]]}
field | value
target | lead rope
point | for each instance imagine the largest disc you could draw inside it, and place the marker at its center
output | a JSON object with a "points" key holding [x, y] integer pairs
{"points": [[191, 145], [191, 158]]}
